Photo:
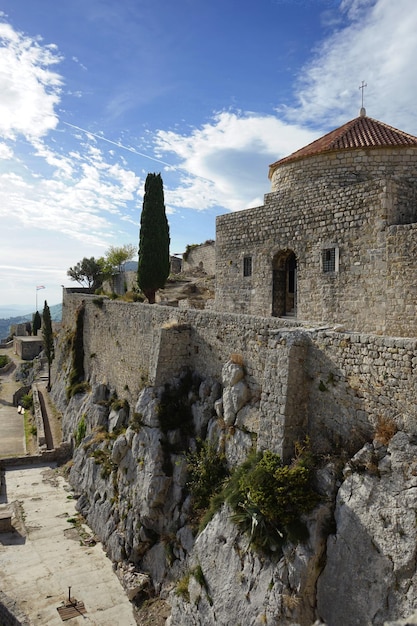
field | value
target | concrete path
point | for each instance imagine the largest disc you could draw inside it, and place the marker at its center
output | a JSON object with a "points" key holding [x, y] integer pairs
{"points": [[44, 556], [12, 431]]}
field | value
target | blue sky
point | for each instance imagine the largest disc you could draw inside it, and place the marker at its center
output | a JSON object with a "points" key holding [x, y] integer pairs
{"points": [[94, 95]]}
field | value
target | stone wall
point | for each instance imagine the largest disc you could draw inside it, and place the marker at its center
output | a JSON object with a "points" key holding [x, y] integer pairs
{"points": [[202, 257], [351, 201], [334, 386]]}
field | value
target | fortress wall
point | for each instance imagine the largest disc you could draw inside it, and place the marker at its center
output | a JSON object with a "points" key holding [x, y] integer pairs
{"points": [[128, 344], [401, 290], [357, 379], [332, 385]]}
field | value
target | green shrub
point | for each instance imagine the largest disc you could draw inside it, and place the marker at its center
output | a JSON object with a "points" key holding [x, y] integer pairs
{"points": [[188, 249], [102, 456], [77, 361], [268, 499], [136, 422], [27, 401], [82, 387], [4, 360], [116, 404], [98, 302], [207, 470], [81, 430]]}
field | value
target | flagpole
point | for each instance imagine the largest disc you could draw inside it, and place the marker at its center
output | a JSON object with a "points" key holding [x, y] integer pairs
{"points": [[36, 299]]}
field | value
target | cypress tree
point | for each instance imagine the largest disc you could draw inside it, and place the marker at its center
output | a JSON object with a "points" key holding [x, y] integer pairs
{"points": [[48, 340], [36, 323], [153, 266]]}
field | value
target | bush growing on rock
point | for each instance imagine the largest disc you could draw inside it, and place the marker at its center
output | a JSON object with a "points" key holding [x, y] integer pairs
{"points": [[268, 499], [206, 472]]}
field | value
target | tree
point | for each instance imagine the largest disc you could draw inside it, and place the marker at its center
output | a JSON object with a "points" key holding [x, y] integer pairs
{"points": [[88, 272], [153, 266], [117, 257], [48, 340], [36, 323]]}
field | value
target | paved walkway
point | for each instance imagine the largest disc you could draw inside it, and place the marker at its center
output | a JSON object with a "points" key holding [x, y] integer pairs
{"points": [[43, 556], [46, 554], [12, 431]]}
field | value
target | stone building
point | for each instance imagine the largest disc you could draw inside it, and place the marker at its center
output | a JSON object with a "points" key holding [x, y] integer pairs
{"points": [[27, 347], [336, 239]]}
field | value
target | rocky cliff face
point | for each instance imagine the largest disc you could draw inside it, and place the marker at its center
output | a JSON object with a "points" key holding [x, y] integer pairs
{"points": [[357, 566]]}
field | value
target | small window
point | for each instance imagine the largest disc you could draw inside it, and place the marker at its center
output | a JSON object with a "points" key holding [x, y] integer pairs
{"points": [[247, 266], [329, 260]]}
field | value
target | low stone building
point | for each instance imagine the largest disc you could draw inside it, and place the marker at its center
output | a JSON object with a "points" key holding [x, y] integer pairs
{"points": [[336, 239], [27, 347]]}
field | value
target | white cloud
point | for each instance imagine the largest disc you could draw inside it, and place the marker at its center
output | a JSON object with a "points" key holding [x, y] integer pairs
{"points": [[5, 151], [226, 160], [378, 45], [29, 88]]}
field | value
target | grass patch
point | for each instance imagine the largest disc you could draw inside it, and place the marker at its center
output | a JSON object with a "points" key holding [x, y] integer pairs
{"points": [[182, 587]]}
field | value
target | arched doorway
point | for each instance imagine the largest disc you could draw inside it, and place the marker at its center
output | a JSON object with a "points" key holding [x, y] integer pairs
{"points": [[284, 286]]}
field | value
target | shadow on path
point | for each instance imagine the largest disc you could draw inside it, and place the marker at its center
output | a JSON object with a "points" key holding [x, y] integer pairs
{"points": [[47, 428]]}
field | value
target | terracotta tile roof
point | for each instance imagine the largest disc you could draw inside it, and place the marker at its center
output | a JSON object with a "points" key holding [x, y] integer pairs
{"points": [[361, 132]]}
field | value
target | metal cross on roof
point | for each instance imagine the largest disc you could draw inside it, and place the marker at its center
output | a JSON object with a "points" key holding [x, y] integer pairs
{"points": [[363, 87]]}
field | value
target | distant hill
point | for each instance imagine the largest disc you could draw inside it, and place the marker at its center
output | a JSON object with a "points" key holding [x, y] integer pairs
{"points": [[6, 322]]}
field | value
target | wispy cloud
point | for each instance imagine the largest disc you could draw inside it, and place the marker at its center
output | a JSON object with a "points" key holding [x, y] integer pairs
{"points": [[30, 89], [376, 42]]}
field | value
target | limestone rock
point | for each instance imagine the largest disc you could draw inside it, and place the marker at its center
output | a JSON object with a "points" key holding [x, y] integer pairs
{"points": [[248, 419], [146, 406], [119, 450], [231, 374], [132, 581], [376, 539], [234, 398]]}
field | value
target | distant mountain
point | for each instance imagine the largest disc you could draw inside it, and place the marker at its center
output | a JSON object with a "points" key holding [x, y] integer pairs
{"points": [[13, 310], [7, 321]]}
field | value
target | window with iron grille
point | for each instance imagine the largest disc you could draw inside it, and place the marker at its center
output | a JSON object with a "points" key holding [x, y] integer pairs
{"points": [[329, 260], [247, 266]]}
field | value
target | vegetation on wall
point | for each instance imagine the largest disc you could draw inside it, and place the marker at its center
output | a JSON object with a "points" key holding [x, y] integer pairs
{"points": [[192, 246], [207, 469], [81, 430], [88, 273], [268, 499], [76, 376]]}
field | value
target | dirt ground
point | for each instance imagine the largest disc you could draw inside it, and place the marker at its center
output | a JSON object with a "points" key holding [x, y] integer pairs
{"points": [[197, 287]]}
